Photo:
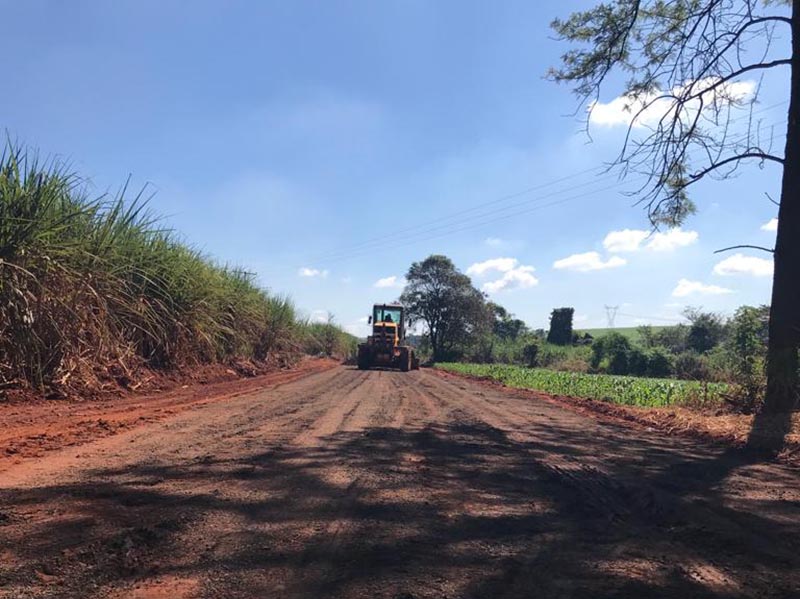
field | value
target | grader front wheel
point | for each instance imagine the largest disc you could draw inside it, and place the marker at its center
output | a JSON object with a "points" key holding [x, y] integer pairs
{"points": [[405, 360], [363, 358]]}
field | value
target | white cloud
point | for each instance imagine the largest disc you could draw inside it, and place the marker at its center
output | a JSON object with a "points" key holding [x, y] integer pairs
{"points": [[686, 287], [672, 239], [515, 275], [359, 328], [627, 240], [520, 277], [623, 109], [320, 316], [739, 264], [312, 272], [770, 225], [631, 240], [587, 262], [388, 282], [619, 111], [499, 243], [498, 264]]}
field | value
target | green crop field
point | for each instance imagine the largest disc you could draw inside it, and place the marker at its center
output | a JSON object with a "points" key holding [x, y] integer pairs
{"points": [[626, 390], [631, 333]]}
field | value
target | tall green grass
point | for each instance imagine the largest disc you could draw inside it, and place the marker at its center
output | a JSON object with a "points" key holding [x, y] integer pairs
{"points": [[626, 390], [328, 339], [92, 288]]}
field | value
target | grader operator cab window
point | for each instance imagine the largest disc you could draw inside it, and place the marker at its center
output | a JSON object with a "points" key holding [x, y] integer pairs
{"points": [[386, 315]]}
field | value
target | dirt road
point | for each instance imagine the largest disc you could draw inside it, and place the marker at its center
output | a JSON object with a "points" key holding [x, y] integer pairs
{"points": [[397, 485]]}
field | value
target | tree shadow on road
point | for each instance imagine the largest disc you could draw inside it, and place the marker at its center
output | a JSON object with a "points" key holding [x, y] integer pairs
{"points": [[451, 510]]}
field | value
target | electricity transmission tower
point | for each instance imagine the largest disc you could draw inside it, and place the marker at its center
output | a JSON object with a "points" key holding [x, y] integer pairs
{"points": [[611, 315]]}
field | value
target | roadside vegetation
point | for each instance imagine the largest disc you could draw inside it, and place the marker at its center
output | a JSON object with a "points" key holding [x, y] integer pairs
{"points": [[626, 390], [94, 289], [710, 359], [327, 339]]}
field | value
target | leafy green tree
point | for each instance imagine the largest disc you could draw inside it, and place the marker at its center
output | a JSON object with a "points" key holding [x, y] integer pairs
{"points": [[560, 332], [747, 348], [634, 362], [647, 337], [659, 363], [443, 299], [682, 59], [530, 353], [690, 365], [706, 330], [611, 352], [674, 338], [505, 326]]}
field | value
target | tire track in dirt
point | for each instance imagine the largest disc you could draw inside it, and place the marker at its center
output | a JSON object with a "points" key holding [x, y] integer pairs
{"points": [[363, 408], [602, 489], [200, 443], [385, 484], [367, 407]]}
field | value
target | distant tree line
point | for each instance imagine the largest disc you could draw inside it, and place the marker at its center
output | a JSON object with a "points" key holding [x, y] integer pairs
{"points": [[462, 324]]}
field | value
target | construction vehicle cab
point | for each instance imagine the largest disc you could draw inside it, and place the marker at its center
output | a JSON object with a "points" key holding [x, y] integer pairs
{"points": [[386, 346]]}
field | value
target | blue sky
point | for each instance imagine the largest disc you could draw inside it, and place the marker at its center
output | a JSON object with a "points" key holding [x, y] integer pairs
{"points": [[327, 145]]}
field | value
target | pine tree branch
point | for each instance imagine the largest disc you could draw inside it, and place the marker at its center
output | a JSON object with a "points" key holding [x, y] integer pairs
{"points": [[760, 155], [752, 247]]}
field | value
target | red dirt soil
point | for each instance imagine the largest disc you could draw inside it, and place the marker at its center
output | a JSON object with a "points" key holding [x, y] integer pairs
{"points": [[380, 484], [29, 428], [709, 424]]}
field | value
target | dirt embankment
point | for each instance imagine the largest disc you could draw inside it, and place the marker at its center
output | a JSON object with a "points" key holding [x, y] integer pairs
{"points": [[31, 426], [396, 485]]}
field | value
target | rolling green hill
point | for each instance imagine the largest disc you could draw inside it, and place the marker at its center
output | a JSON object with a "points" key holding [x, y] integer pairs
{"points": [[630, 332]]}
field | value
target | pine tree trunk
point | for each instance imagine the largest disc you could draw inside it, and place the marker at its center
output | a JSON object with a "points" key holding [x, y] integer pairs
{"points": [[784, 322]]}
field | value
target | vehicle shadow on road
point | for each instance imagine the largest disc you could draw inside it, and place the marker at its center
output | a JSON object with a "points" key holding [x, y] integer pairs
{"points": [[443, 510]]}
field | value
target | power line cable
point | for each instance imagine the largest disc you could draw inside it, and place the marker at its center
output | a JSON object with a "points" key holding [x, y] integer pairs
{"points": [[444, 227], [428, 232], [474, 225], [422, 228]]}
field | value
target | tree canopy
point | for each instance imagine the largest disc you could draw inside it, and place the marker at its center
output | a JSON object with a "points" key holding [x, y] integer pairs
{"points": [[683, 59], [444, 300], [694, 70], [560, 332]]}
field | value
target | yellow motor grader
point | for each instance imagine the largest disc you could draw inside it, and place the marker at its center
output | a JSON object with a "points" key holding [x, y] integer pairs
{"points": [[387, 346]]}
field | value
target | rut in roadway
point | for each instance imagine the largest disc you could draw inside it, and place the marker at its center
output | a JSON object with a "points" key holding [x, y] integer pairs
{"points": [[397, 485]]}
